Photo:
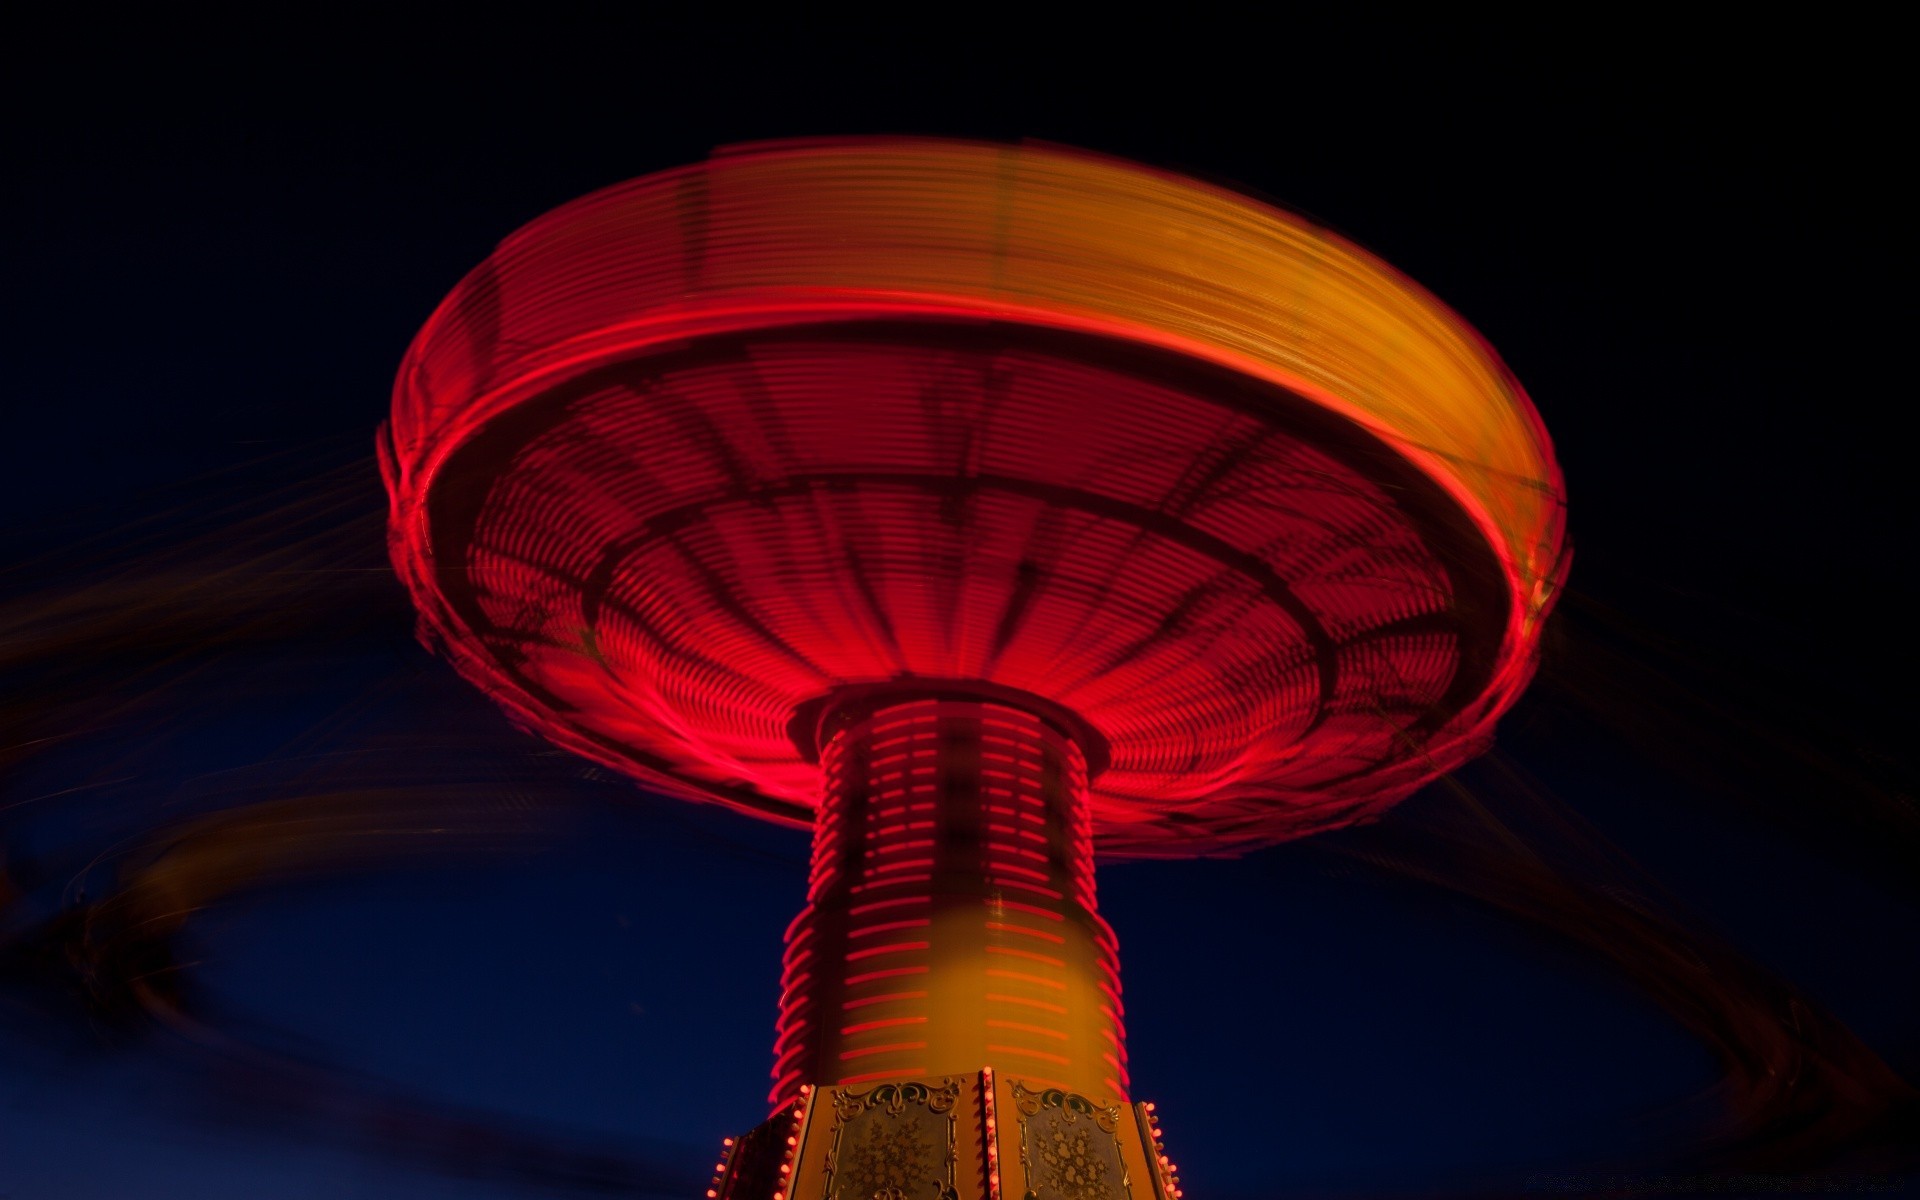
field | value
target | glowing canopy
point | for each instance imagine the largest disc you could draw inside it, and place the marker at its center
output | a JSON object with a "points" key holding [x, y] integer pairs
{"points": [[686, 458]]}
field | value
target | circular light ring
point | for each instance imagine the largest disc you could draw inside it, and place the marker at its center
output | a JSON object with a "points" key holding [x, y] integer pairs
{"points": [[691, 453]]}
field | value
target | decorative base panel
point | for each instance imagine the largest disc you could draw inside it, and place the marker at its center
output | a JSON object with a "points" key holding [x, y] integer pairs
{"points": [[984, 1136]]}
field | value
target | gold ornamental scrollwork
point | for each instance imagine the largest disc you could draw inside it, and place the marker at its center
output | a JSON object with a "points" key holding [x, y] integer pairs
{"points": [[1070, 1146], [896, 1141]]}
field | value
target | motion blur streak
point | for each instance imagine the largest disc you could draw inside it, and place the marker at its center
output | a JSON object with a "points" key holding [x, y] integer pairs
{"points": [[1795, 1083], [90, 924]]}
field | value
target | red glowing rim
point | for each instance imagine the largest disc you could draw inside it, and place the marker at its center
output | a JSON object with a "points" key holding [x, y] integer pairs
{"points": [[448, 498]]}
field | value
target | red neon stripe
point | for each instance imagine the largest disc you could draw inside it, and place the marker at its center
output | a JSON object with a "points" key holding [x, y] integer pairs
{"points": [[870, 884], [892, 846], [1023, 1001], [904, 865], [895, 948], [852, 980], [1014, 868], [779, 1062], [868, 931], [864, 1026], [781, 1085], [868, 1051], [1026, 887], [862, 1003], [869, 1077], [858, 909], [1035, 909], [1055, 984], [1044, 958], [1057, 1059], [786, 993], [1003, 927], [1044, 1032], [793, 1018]]}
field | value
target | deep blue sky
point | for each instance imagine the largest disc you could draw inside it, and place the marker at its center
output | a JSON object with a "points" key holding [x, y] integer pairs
{"points": [[217, 243]]}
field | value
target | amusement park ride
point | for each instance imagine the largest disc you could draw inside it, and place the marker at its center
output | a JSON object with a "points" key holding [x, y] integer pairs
{"points": [[983, 508]]}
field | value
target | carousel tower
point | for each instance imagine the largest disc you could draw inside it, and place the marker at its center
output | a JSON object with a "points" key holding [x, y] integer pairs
{"points": [[982, 508]]}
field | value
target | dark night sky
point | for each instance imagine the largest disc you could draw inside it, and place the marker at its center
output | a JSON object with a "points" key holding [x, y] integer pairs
{"points": [[219, 238]]}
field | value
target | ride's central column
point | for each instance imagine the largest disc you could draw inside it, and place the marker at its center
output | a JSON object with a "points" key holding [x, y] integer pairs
{"points": [[951, 921]]}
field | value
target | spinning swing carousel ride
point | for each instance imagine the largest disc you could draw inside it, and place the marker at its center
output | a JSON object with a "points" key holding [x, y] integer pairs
{"points": [[985, 509]]}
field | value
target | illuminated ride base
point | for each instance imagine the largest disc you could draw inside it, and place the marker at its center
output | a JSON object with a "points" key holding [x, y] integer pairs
{"points": [[975, 506]]}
